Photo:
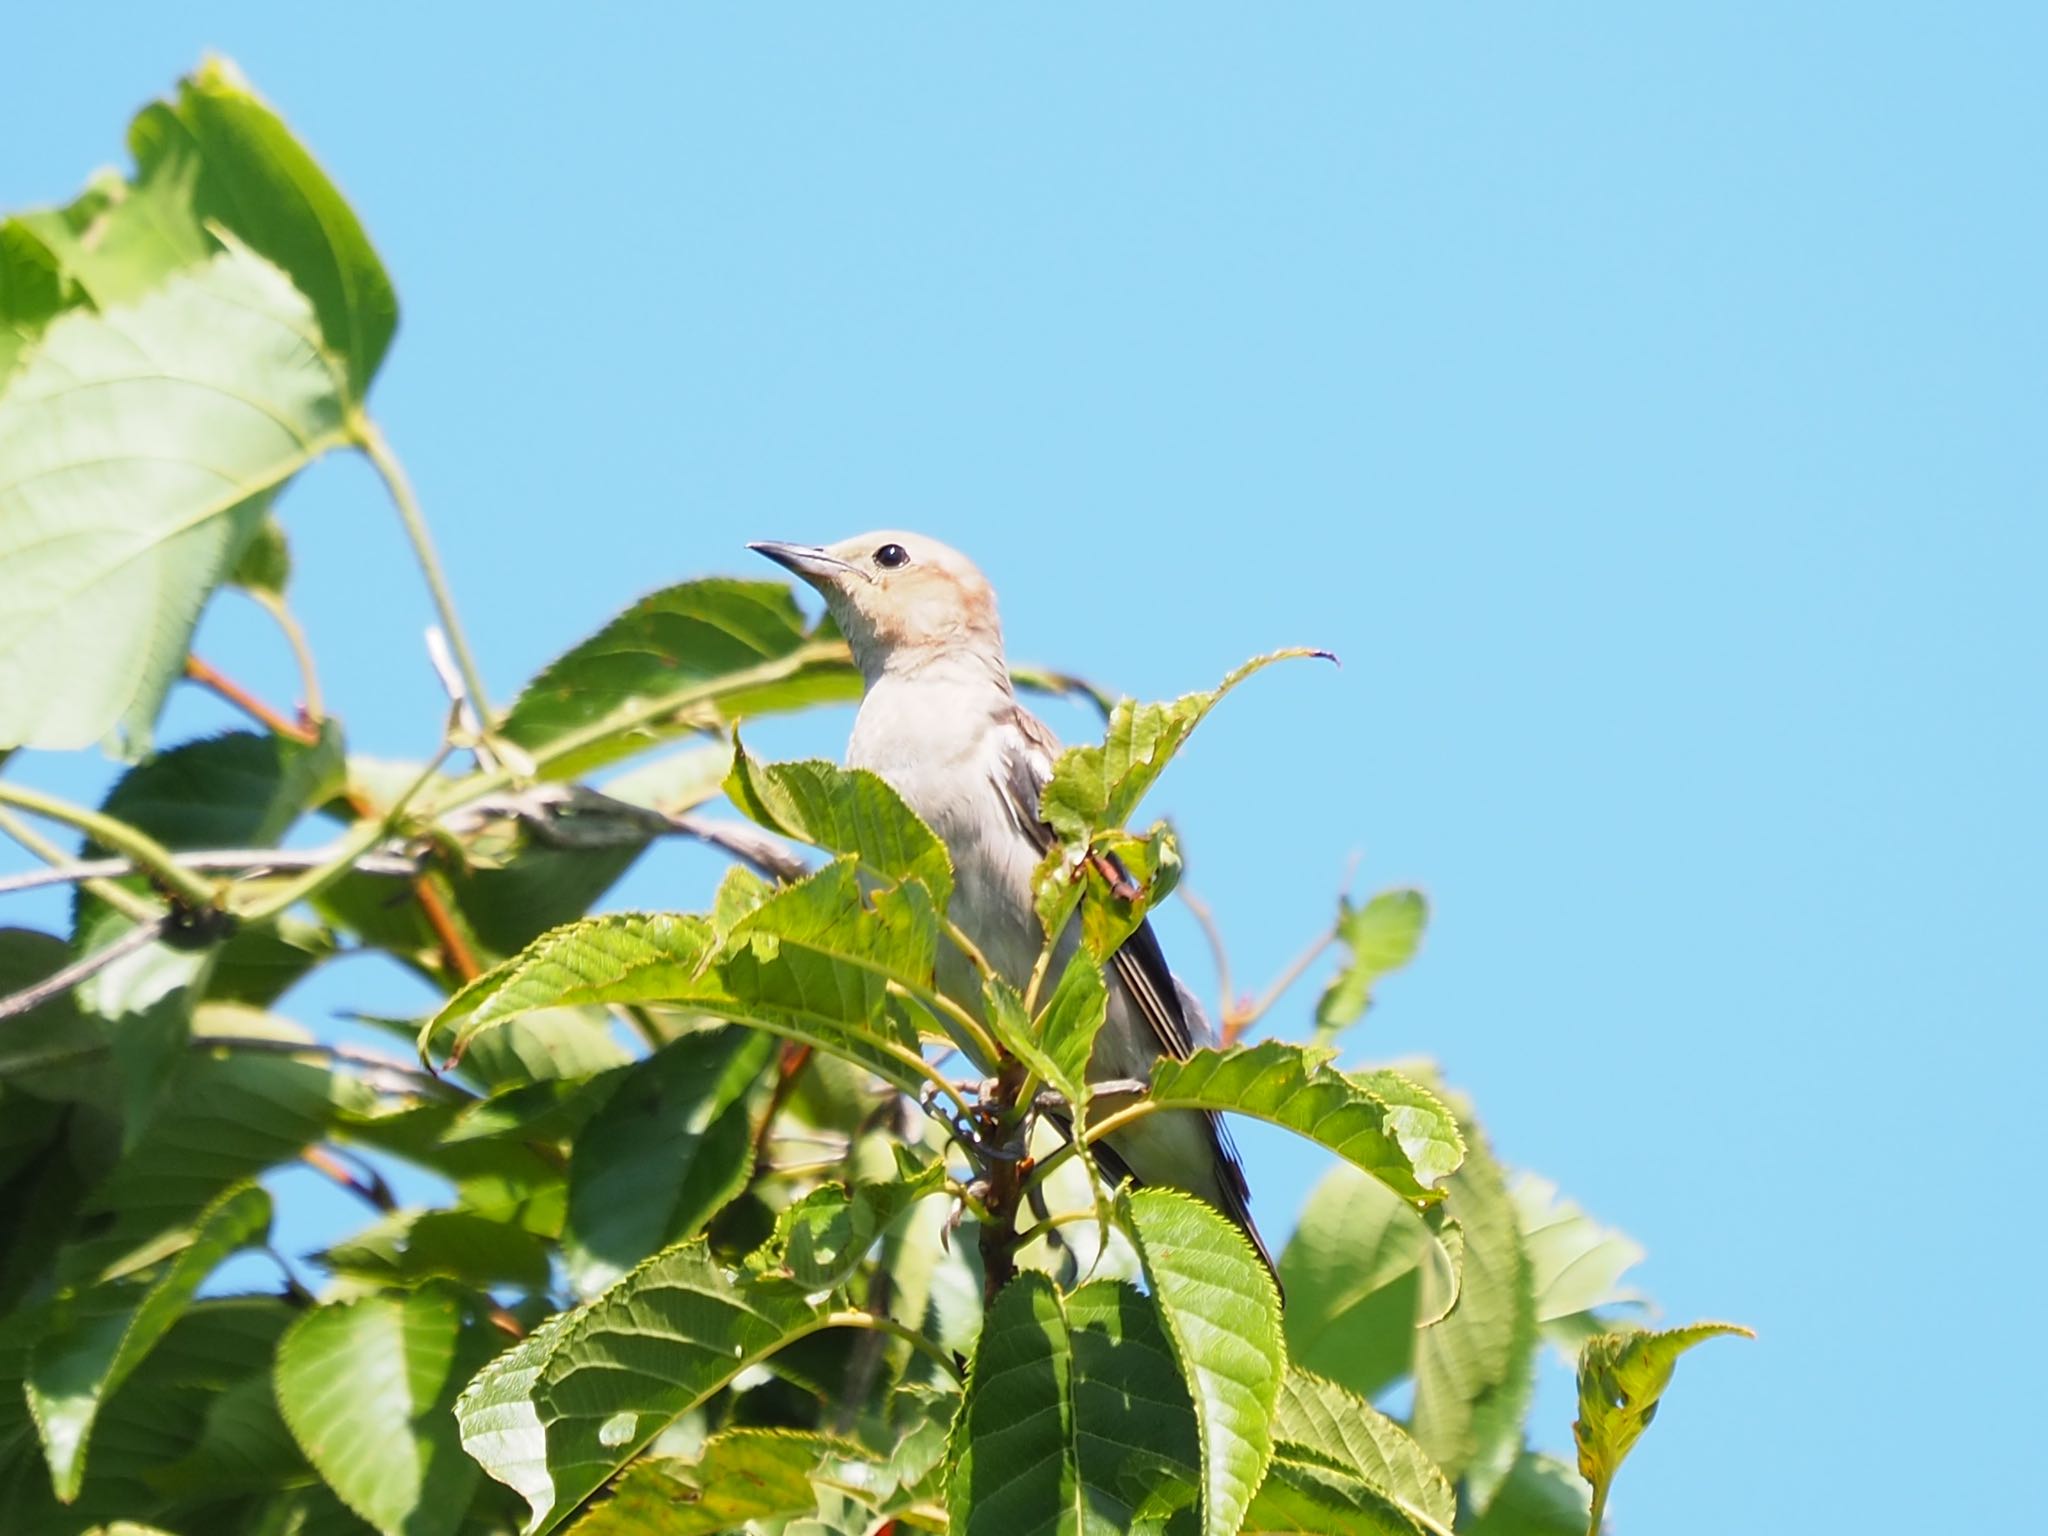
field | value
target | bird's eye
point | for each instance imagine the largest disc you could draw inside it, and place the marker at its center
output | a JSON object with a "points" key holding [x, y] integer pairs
{"points": [[889, 556]]}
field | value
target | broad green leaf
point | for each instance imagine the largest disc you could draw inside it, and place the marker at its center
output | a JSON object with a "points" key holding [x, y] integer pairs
{"points": [[128, 489], [257, 180], [679, 638], [1321, 1421], [243, 1447], [1310, 1498], [53, 1051], [680, 781], [1223, 1315], [845, 811], [1381, 936], [533, 887], [822, 1238], [366, 1387], [1622, 1377], [670, 1147], [556, 1416], [409, 1247], [1540, 1497], [741, 1475], [1379, 1121], [552, 1109], [1069, 1022], [237, 790], [1098, 788], [97, 1334], [1076, 1419], [1353, 1272], [1575, 1264], [813, 963], [258, 965], [119, 239], [1476, 1369]]}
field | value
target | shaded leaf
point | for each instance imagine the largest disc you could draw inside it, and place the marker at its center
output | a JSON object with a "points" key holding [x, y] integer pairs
{"points": [[1076, 1418], [366, 1387], [139, 450], [1308, 1498], [408, 1247], [740, 1475], [669, 1148], [1540, 1497], [1353, 1272], [1379, 1121], [1622, 1377], [822, 1238], [1223, 1314], [266, 562], [557, 1415], [1381, 936], [96, 1335]]}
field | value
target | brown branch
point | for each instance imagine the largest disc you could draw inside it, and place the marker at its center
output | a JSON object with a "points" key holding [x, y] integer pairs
{"points": [[788, 1065], [370, 1188], [227, 688]]}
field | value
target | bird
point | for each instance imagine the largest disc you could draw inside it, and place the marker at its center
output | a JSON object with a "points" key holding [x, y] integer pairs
{"points": [[940, 723]]}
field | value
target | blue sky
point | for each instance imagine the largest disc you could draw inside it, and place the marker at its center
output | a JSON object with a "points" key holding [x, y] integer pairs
{"points": [[1647, 406]]}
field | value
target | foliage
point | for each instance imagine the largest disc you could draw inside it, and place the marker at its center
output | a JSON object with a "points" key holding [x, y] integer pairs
{"points": [[771, 1267]]}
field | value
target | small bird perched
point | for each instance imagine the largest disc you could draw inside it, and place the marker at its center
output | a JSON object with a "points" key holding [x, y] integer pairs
{"points": [[940, 724]]}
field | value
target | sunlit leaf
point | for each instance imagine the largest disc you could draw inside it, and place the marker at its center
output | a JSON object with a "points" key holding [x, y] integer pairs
{"points": [[366, 1387], [1379, 1121], [408, 1247], [1381, 936], [1320, 1421], [1622, 1378], [555, 1416], [1353, 1272], [1076, 1418], [1575, 1264], [844, 810], [139, 451], [822, 1238], [1223, 1315], [693, 633], [97, 1334]]}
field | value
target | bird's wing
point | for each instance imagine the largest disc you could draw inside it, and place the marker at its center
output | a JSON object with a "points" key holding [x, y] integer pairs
{"points": [[1141, 963]]}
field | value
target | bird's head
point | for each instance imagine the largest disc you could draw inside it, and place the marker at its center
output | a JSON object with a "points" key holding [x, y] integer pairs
{"points": [[902, 600]]}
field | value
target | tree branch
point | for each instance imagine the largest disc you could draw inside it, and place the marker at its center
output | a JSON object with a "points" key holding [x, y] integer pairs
{"points": [[152, 856]]}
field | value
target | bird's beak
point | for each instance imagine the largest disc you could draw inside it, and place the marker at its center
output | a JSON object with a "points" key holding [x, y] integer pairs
{"points": [[807, 560]]}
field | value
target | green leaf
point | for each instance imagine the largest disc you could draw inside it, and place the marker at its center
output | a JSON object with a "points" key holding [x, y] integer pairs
{"points": [[1622, 1377], [1379, 1121], [409, 1247], [843, 810], [1076, 1418], [823, 1237], [1381, 936], [128, 490], [256, 179], [1353, 1271], [53, 1051], [1223, 1315], [1098, 788], [97, 1335], [812, 963], [366, 1387], [740, 1476], [670, 1147], [1575, 1264], [1302, 1497], [681, 637], [33, 291], [266, 564], [1541, 1497], [1320, 1421], [556, 1416], [1476, 1369], [119, 239]]}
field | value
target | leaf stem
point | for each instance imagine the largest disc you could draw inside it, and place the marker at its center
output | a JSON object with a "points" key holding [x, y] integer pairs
{"points": [[370, 438], [109, 832], [1598, 1513], [876, 1323], [302, 652], [91, 876]]}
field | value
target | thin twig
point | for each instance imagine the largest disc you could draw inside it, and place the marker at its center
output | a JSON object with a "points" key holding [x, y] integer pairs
{"points": [[1238, 1021], [105, 830], [225, 687], [131, 906], [244, 862], [59, 982], [369, 1188]]}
